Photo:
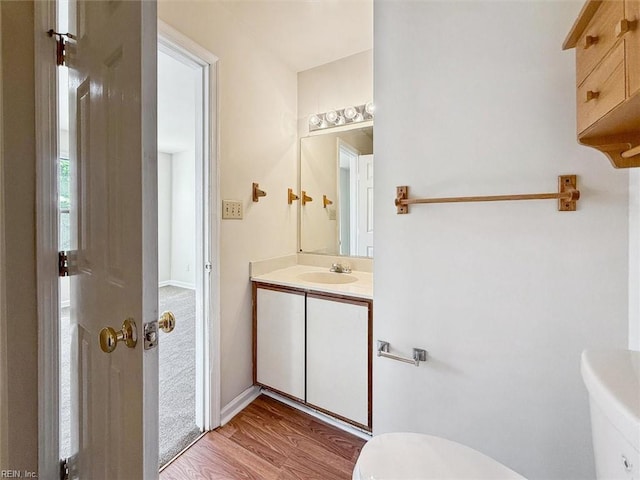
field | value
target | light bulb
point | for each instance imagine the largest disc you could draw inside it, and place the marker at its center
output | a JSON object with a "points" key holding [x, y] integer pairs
{"points": [[314, 120], [370, 108], [331, 116], [350, 113]]}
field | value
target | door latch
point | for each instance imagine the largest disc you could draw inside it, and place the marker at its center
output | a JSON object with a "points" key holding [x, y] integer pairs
{"points": [[150, 335]]}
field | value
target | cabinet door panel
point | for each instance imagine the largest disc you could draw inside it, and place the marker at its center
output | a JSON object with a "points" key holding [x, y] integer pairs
{"points": [[280, 341], [338, 358], [632, 45]]}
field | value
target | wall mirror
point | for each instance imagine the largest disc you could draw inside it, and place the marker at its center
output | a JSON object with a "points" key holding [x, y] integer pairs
{"points": [[336, 175]]}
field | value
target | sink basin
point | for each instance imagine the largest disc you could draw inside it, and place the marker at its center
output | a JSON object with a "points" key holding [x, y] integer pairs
{"points": [[327, 277]]}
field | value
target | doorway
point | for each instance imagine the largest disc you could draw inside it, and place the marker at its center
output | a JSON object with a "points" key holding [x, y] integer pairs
{"points": [[181, 242]]}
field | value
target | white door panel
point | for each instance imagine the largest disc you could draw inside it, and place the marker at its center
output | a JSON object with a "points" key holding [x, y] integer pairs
{"points": [[114, 224], [338, 357], [280, 341]]}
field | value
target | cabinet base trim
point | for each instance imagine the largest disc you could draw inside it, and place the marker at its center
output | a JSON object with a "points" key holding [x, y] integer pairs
{"points": [[347, 427]]}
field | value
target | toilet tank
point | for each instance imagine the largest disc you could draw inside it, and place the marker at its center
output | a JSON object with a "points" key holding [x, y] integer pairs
{"points": [[612, 378]]}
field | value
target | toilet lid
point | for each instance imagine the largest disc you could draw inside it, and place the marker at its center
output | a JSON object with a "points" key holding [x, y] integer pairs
{"points": [[413, 456]]}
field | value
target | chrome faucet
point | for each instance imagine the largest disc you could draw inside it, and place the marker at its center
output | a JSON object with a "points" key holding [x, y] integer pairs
{"points": [[339, 268]]}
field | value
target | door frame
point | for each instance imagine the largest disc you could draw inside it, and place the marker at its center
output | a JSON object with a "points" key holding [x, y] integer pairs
{"points": [[46, 127], [4, 414], [170, 39]]}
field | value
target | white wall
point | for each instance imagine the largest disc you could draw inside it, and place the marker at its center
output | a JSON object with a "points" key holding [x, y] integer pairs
{"points": [[18, 190], [164, 217], [634, 259], [478, 98], [176, 219], [257, 131], [4, 414], [183, 219]]}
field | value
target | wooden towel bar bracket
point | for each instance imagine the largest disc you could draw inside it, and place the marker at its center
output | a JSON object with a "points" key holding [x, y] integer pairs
{"points": [[567, 196]]}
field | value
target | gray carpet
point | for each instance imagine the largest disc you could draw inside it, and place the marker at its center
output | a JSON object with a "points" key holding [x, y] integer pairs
{"points": [[177, 376], [177, 373]]}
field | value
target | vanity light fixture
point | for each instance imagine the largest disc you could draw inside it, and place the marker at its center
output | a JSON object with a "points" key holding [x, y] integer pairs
{"points": [[344, 116]]}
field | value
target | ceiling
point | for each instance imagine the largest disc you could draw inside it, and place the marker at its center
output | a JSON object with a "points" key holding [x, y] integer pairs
{"points": [[307, 33]]}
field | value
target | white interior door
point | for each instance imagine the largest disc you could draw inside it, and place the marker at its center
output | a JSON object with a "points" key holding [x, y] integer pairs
{"points": [[114, 225], [365, 206]]}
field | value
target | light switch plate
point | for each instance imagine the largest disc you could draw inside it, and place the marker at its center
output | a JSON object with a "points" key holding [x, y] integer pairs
{"points": [[232, 209]]}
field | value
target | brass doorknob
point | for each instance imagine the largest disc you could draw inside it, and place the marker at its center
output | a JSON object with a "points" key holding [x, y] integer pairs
{"points": [[109, 338], [167, 322]]}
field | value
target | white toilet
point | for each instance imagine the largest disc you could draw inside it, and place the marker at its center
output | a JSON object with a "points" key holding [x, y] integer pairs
{"points": [[612, 378], [413, 456]]}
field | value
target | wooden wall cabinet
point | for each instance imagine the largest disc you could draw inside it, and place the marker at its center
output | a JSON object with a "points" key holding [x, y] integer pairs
{"points": [[606, 36], [315, 348]]}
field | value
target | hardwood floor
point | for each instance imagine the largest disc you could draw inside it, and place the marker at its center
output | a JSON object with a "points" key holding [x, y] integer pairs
{"points": [[269, 441]]}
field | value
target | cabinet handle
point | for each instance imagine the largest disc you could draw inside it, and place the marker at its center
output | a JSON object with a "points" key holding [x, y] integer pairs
{"points": [[592, 94], [624, 26], [590, 40]]}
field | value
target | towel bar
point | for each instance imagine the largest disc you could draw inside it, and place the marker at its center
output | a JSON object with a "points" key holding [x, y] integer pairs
{"points": [[567, 196], [419, 355]]}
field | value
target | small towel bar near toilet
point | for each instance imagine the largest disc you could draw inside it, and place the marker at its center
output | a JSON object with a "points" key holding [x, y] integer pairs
{"points": [[419, 355]]}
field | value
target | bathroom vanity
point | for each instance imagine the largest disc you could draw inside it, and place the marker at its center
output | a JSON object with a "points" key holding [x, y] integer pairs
{"points": [[312, 339]]}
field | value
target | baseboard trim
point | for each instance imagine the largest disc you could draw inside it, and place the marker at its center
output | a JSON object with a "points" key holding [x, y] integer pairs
{"points": [[176, 283], [238, 404], [319, 415]]}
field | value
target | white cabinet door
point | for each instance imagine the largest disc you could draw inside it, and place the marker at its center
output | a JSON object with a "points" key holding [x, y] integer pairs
{"points": [[338, 357], [280, 341]]}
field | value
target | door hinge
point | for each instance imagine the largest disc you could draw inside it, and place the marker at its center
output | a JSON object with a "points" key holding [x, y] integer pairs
{"points": [[63, 263], [208, 267], [64, 469], [68, 468], [66, 261], [61, 45]]}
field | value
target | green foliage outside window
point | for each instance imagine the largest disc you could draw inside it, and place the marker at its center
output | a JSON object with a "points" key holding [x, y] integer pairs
{"points": [[64, 203]]}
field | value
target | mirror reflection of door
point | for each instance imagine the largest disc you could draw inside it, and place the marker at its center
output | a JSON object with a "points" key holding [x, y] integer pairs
{"points": [[364, 209], [338, 165]]}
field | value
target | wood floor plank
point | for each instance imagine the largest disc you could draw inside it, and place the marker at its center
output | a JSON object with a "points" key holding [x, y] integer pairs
{"points": [[269, 440], [334, 439], [217, 457], [259, 442], [280, 409], [307, 466], [331, 438]]}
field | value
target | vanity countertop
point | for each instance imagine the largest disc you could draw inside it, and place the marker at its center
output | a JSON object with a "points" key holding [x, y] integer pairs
{"points": [[290, 277]]}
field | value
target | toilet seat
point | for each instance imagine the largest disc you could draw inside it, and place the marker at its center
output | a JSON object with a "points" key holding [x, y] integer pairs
{"points": [[413, 456]]}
